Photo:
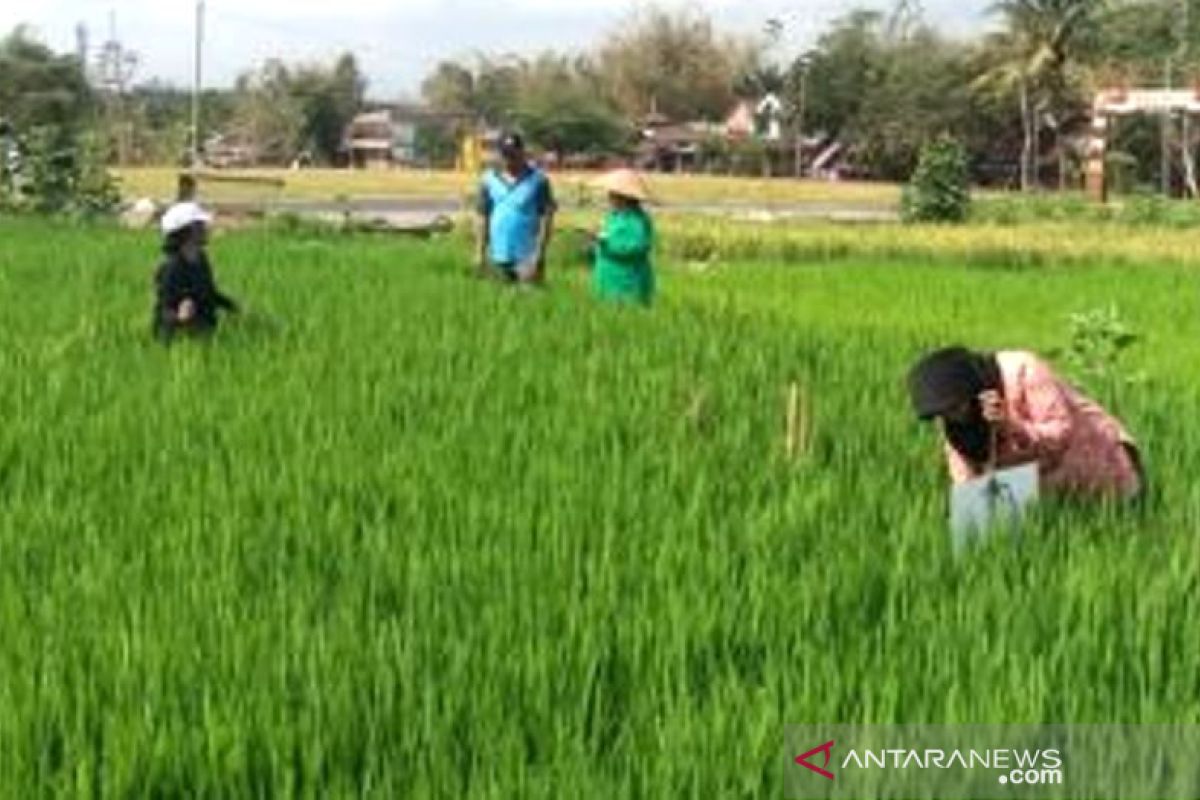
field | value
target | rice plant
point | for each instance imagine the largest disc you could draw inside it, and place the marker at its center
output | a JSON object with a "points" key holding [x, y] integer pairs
{"points": [[400, 533]]}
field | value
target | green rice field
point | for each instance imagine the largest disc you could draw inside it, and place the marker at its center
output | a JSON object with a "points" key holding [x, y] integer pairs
{"points": [[400, 533]]}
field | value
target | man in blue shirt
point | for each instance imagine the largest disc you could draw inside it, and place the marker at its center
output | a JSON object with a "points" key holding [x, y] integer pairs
{"points": [[516, 206]]}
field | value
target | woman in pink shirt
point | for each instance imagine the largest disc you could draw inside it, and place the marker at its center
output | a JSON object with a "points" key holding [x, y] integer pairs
{"points": [[1009, 408]]}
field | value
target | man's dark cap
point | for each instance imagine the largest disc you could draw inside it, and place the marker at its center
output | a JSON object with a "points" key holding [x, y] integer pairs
{"points": [[511, 142]]}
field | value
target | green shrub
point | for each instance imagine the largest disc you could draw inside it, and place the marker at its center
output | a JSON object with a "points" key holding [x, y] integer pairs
{"points": [[63, 173], [940, 189], [95, 192], [48, 172], [698, 246], [1149, 209], [8, 160], [1096, 355]]}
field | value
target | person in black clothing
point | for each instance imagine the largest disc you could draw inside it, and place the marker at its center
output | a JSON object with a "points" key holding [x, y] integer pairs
{"points": [[186, 188], [187, 295]]}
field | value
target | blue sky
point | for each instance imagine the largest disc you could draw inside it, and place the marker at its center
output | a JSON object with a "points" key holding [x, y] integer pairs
{"points": [[397, 41]]}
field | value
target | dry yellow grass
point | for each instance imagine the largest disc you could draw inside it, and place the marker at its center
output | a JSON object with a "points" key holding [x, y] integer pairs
{"points": [[1031, 244], [298, 185], [328, 184]]}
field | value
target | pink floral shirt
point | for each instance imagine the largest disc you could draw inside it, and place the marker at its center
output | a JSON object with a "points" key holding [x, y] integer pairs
{"points": [[1078, 446]]}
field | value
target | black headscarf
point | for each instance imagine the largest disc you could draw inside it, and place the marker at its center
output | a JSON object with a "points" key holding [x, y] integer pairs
{"points": [[173, 242], [948, 379]]}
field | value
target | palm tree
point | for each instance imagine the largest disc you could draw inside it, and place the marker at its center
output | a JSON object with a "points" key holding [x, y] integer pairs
{"points": [[1036, 53], [1007, 75]]}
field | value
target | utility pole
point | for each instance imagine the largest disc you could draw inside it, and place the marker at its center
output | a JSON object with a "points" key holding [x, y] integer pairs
{"points": [[1185, 47], [196, 81], [804, 64], [115, 69], [1165, 143], [82, 45], [799, 121]]}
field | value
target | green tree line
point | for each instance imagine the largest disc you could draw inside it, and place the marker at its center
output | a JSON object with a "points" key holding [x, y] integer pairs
{"points": [[880, 83]]}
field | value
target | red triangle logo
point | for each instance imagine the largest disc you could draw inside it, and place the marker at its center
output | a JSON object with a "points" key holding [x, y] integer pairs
{"points": [[827, 749]]}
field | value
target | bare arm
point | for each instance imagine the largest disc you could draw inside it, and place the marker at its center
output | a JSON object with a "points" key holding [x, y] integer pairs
{"points": [[961, 470], [482, 241], [545, 232], [483, 233], [548, 207]]}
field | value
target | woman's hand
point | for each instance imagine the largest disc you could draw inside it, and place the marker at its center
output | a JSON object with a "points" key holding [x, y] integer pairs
{"points": [[186, 311], [992, 405]]}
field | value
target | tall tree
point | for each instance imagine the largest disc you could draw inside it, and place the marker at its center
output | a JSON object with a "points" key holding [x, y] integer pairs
{"points": [[837, 75], [1041, 44], [1006, 76], [283, 109], [884, 85], [484, 90], [267, 114], [329, 99], [450, 88], [672, 62], [39, 87], [161, 116], [561, 106], [918, 93], [1135, 37]]}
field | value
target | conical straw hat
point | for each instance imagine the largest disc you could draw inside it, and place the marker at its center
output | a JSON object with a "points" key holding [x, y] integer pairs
{"points": [[625, 182]]}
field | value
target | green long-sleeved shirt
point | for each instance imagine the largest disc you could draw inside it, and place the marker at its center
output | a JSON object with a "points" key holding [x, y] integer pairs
{"points": [[622, 268]]}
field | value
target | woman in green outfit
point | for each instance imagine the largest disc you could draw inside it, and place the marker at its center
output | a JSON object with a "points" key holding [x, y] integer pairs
{"points": [[621, 268]]}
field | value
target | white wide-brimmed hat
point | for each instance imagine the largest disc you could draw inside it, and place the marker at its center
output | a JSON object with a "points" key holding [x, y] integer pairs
{"points": [[184, 215], [625, 182]]}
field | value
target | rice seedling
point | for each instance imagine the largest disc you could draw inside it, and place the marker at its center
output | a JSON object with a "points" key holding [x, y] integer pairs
{"points": [[400, 533]]}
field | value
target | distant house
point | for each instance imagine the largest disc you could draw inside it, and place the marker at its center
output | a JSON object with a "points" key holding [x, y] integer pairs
{"points": [[688, 146], [763, 120], [386, 136], [670, 147], [830, 163], [740, 124], [770, 118], [229, 151], [382, 138]]}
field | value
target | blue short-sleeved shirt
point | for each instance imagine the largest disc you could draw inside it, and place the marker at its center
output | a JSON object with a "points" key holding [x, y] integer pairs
{"points": [[515, 210]]}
